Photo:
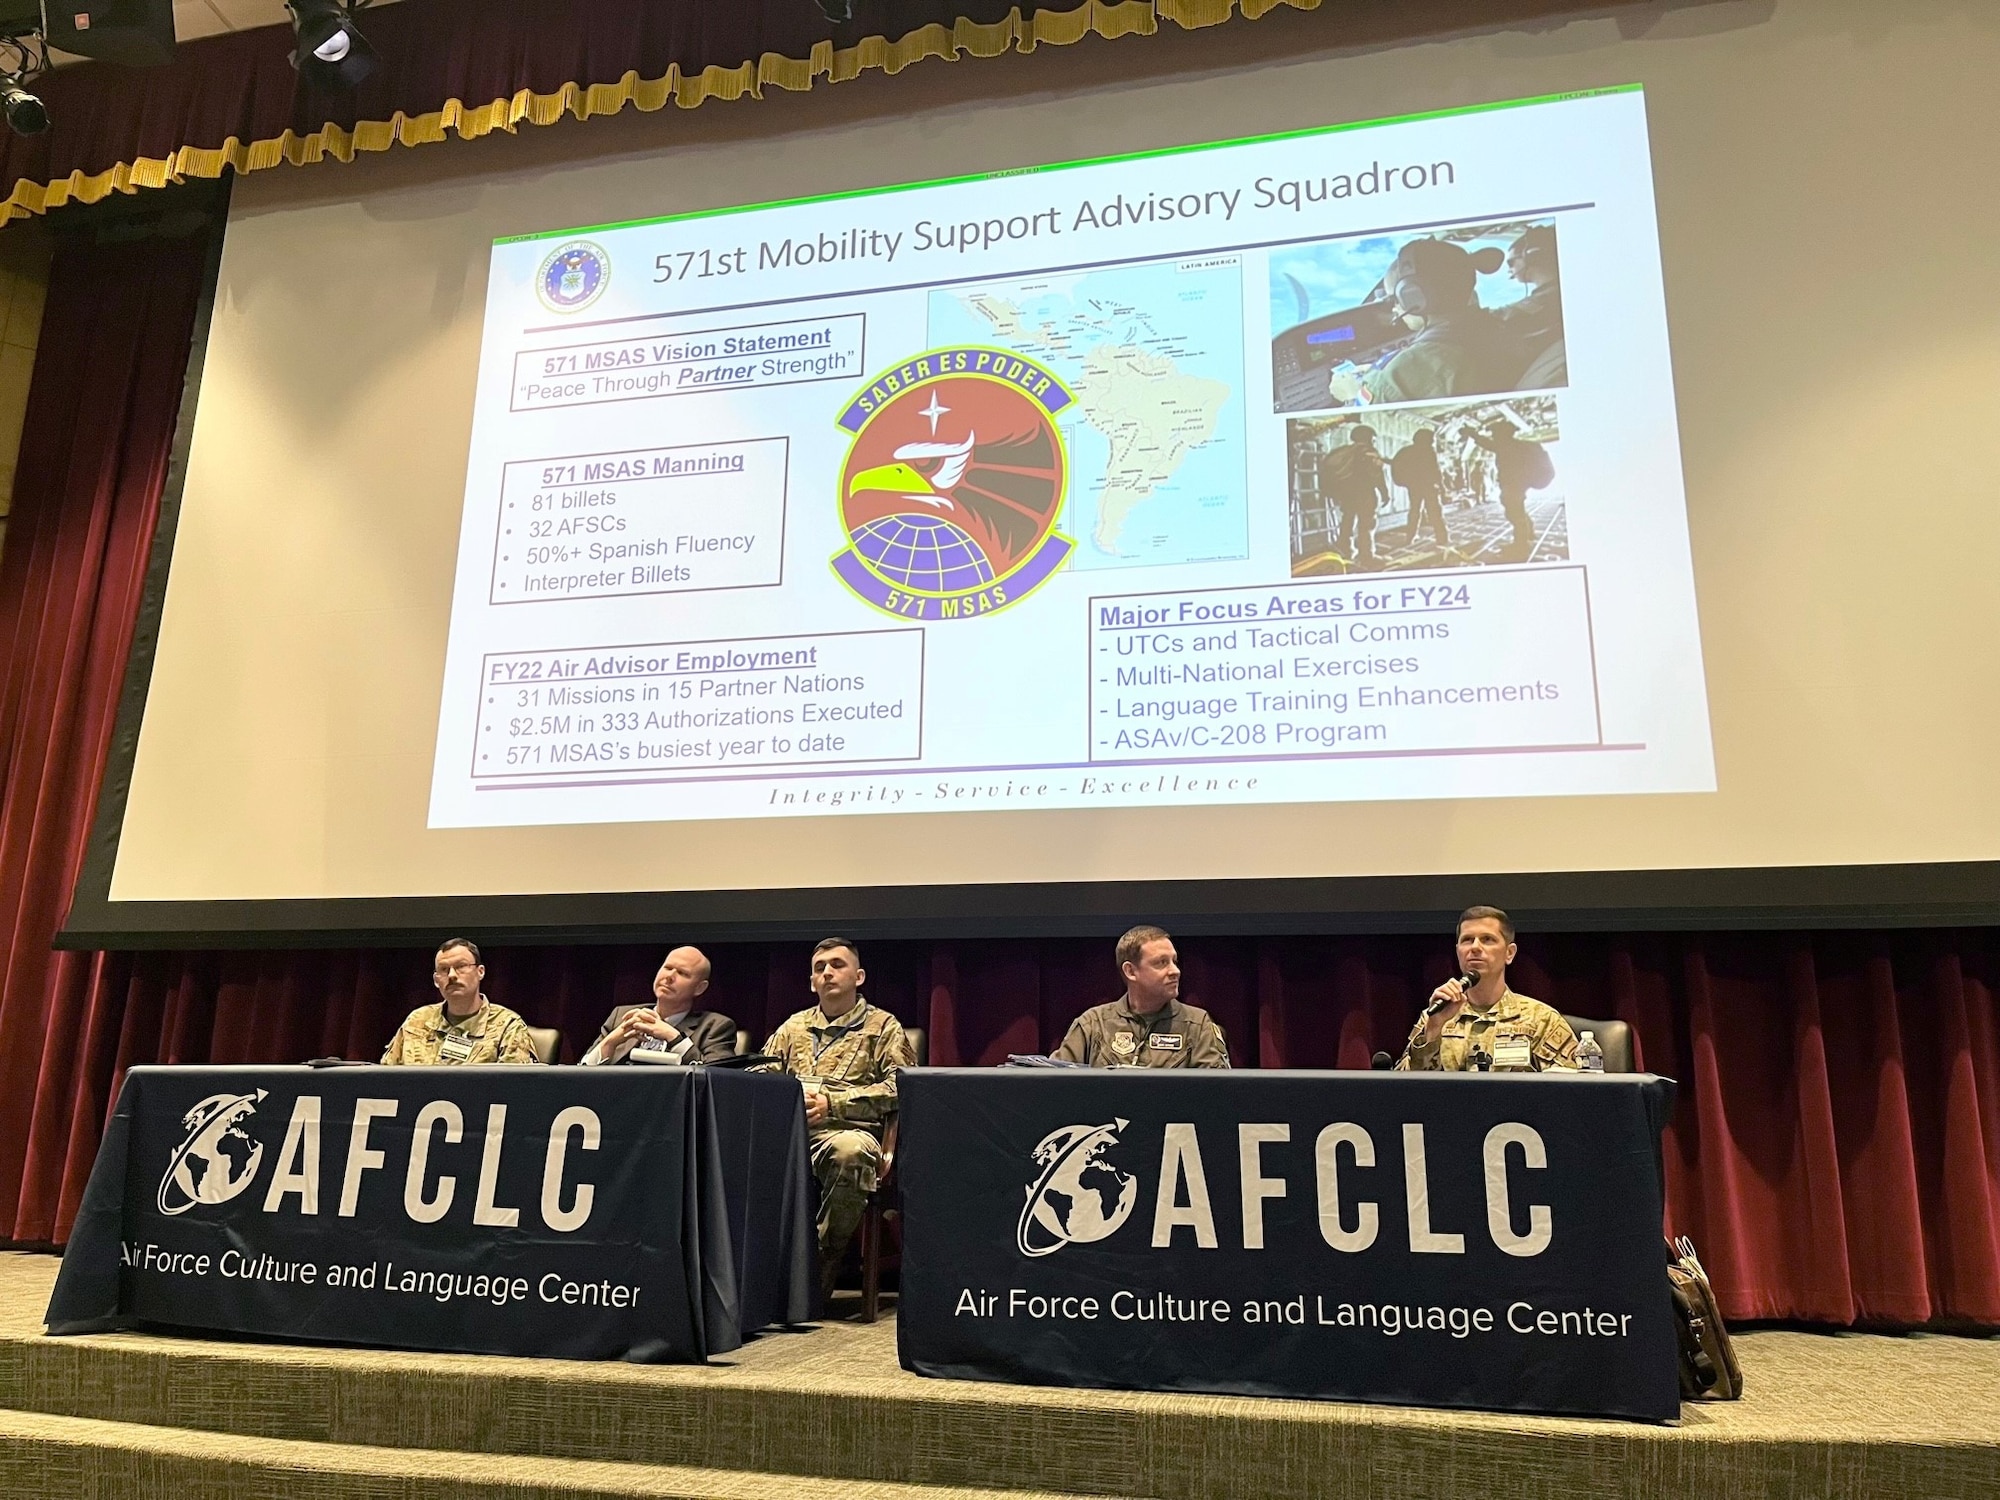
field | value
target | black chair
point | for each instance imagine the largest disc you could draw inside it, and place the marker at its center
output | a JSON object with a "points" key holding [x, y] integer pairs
{"points": [[547, 1041], [882, 1203], [1615, 1037]]}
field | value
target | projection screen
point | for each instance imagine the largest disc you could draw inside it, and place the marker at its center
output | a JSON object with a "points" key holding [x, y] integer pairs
{"points": [[1523, 465]]}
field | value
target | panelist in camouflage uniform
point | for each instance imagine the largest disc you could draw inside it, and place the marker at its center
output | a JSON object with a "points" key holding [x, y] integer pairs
{"points": [[845, 1053], [1461, 1026], [464, 1026], [1149, 1027]]}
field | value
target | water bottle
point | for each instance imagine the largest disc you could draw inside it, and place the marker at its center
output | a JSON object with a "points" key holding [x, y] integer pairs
{"points": [[1589, 1056]]}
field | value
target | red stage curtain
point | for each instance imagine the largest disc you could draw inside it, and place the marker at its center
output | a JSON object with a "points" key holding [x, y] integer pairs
{"points": [[99, 428]]}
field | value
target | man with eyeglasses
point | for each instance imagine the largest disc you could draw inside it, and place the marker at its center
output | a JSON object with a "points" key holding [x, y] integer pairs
{"points": [[464, 1026]]}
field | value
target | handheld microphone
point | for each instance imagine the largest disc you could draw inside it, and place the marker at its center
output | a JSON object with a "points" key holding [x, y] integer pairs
{"points": [[1382, 1062], [1466, 982]]}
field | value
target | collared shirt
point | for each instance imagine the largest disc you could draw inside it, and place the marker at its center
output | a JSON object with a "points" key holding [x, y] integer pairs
{"points": [[706, 1036], [853, 1061], [491, 1034], [1512, 1017], [1116, 1036], [678, 1050]]}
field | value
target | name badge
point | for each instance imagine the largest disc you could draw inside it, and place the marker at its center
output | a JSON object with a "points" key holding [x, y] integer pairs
{"points": [[1513, 1054], [1165, 1041], [454, 1049]]}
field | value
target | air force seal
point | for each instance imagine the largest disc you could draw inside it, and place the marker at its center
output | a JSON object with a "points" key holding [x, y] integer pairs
{"points": [[574, 276], [953, 485]]}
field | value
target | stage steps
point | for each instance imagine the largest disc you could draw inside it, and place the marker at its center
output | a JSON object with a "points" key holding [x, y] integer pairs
{"points": [[829, 1412], [80, 1458]]}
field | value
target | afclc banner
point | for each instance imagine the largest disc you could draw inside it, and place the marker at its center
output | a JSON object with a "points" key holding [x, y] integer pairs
{"points": [[1438, 1240], [546, 1211]]}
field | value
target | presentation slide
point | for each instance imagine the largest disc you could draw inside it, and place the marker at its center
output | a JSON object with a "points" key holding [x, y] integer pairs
{"points": [[1335, 466]]}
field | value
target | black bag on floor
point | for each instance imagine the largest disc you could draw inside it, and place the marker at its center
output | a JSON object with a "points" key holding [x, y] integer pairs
{"points": [[1709, 1371]]}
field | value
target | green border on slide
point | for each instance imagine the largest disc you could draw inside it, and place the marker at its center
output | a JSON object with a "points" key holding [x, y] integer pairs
{"points": [[1065, 166]]}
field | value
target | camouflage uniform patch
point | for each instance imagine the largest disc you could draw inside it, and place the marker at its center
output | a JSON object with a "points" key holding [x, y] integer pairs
{"points": [[1513, 1018], [493, 1034]]}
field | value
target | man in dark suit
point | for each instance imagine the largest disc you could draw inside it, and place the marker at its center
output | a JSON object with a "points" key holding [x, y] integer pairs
{"points": [[670, 1027]]}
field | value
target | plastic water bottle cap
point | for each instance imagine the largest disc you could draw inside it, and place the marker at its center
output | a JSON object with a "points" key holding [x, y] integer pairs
{"points": [[1590, 1036]]}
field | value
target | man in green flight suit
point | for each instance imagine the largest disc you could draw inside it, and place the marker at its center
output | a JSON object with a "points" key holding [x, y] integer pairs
{"points": [[1461, 348], [1149, 1027]]}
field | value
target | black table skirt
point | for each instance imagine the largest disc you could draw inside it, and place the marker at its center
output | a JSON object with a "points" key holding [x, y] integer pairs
{"points": [[636, 1213]]}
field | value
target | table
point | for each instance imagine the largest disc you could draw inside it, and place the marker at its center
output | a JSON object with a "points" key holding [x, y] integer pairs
{"points": [[1458, 1240], [646, 1214]]}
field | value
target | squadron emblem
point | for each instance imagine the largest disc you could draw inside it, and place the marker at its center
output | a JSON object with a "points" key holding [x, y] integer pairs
{"points": [[953, 485]]}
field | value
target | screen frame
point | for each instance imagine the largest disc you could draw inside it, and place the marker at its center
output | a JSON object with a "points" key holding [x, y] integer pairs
{"points": [[1941, 894]]}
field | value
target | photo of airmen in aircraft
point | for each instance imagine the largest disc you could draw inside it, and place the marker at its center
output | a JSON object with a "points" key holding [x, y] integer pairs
{"points": [[1471, 310], [1460, 485]]}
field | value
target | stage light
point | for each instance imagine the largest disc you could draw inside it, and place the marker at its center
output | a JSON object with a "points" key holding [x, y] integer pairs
{"points": [[26, 114], [331, 48], [23, 58]]}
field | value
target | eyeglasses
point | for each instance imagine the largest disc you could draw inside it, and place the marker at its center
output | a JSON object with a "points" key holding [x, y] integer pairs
{"points": [[443, 970]]}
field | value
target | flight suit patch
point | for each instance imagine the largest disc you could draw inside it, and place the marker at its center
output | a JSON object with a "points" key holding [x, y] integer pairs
{"points": [[1166, 1041], [1123, 1044]]}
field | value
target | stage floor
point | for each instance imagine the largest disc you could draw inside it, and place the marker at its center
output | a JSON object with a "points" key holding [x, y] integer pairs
{"points": [[829, 1412]]}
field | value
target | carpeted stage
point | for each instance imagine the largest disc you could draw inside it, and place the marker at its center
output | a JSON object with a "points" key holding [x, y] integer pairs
{"points": [[827, 1413]]}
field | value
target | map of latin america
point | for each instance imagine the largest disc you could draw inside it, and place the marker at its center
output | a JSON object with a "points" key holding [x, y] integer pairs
{"points": [[1154, 355]]}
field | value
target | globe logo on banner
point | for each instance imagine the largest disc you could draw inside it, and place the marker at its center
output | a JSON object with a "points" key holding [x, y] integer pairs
{"points": [[1079, 1198], [216, 1160], [952, 486], [573, 276]]}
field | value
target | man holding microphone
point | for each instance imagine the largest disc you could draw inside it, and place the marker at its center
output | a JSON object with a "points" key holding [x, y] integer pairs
{"points": [[1475, 1021]]}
